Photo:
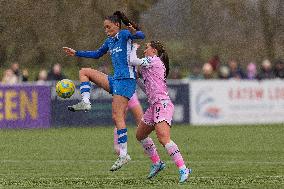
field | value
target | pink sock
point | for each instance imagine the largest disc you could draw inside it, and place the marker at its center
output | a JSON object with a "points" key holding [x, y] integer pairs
{"points": [[175, 154], [150, 149], [115, 141]]}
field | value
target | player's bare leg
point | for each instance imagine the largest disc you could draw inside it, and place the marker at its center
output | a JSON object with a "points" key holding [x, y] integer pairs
{"points": [[163, 135], [142, 135], [86, 75], [119, 105], [136, 109]]}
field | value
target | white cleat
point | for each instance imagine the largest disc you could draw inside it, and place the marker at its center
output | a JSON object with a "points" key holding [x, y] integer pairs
{"points": [[184, 174], [120, 162], [81, 106]]}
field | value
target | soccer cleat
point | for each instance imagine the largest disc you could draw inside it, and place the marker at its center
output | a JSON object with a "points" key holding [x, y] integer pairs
{"points": [[155, 169], [120, 162], [184, 174], [81, 106]]}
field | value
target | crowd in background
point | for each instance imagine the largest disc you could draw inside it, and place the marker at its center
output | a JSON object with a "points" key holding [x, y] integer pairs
{"points": [[212, 69], [14, 74], [232, 70]]}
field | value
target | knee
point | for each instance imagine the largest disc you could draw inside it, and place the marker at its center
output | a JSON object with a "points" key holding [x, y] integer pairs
{"points": [[84, 71]]}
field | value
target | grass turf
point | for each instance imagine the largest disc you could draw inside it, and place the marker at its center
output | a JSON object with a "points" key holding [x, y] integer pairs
{"points": [[221, 157]]}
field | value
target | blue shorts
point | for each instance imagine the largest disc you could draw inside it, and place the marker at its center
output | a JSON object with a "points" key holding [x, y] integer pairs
{"points": [[123, 87]]}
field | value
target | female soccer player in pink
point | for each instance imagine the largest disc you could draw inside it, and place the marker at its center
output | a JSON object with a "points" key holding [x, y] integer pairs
{"points": [[121, 85], [158, 117]]}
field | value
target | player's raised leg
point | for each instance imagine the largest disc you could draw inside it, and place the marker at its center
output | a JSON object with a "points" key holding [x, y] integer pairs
{"points": [[86, 75]]}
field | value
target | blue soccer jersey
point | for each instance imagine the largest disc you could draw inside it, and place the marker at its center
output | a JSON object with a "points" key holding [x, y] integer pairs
{"points": [[119, 48]]}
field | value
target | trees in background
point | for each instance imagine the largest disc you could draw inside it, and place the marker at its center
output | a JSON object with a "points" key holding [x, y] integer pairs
{"points": [[247, 30], [33, 32]]}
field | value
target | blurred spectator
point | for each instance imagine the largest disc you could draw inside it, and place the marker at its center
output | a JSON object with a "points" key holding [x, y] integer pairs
{"points": [[175, 73], [55, 74], [9, 77], [195, 73], [207, 71], [279, 69], [42, 76], [25, 75], [251, 71], [16, 69], [214, 61], [235, 70], [266, 71], [224, 72]]}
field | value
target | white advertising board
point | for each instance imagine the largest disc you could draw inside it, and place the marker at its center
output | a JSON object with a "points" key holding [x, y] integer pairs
{"points": [[236, 102]]}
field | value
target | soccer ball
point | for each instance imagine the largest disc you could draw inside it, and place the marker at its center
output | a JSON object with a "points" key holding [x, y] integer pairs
{"points": [[65, 88]]}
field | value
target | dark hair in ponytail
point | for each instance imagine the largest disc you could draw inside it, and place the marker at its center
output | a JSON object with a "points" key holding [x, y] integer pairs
{"points": [[119, 17], [162, 54]]}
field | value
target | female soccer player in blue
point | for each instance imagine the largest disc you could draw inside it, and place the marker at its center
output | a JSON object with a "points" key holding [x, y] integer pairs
{"points": [[121, 85]]}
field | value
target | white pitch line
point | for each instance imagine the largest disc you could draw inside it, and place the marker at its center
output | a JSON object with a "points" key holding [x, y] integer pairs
{"points": [[260, 177], [191, 177], [139, 161]]}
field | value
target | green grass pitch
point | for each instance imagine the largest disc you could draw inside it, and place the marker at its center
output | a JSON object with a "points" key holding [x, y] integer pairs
{"points": [[220, 157]]}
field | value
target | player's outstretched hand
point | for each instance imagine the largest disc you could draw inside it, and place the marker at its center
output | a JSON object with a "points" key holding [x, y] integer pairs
{"points": [[69, 51]]}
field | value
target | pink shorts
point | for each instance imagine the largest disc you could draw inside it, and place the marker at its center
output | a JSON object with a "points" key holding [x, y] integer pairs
{"points": [[160, 111], [133, 101]]}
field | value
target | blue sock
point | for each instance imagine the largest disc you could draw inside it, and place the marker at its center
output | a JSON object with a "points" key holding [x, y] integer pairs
{"points": [[122, 141], [85, 88]]}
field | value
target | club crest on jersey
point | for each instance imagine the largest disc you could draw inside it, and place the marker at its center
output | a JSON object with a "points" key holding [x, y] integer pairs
{"points": [[145, 61]]}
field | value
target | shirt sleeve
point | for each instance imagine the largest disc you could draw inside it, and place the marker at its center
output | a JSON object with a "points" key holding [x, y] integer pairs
{"points": [[138, 35], [94, 54], [126, 34], [135, 61]]}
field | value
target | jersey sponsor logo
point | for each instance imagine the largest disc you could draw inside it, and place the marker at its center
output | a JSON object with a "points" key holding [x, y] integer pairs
{"points": [[115, 50]]}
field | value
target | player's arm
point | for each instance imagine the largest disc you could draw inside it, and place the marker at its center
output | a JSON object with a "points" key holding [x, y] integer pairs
{"points": [[134, 33], [88, 54], [138, 35], [134, 60], [93, 54]]}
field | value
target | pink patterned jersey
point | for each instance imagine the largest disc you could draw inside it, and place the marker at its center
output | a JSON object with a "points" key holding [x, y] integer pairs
{"points": [[153, 72]]}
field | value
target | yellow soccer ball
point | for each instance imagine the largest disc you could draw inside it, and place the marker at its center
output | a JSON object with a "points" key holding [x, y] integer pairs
{"points": [[65, 88]]}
